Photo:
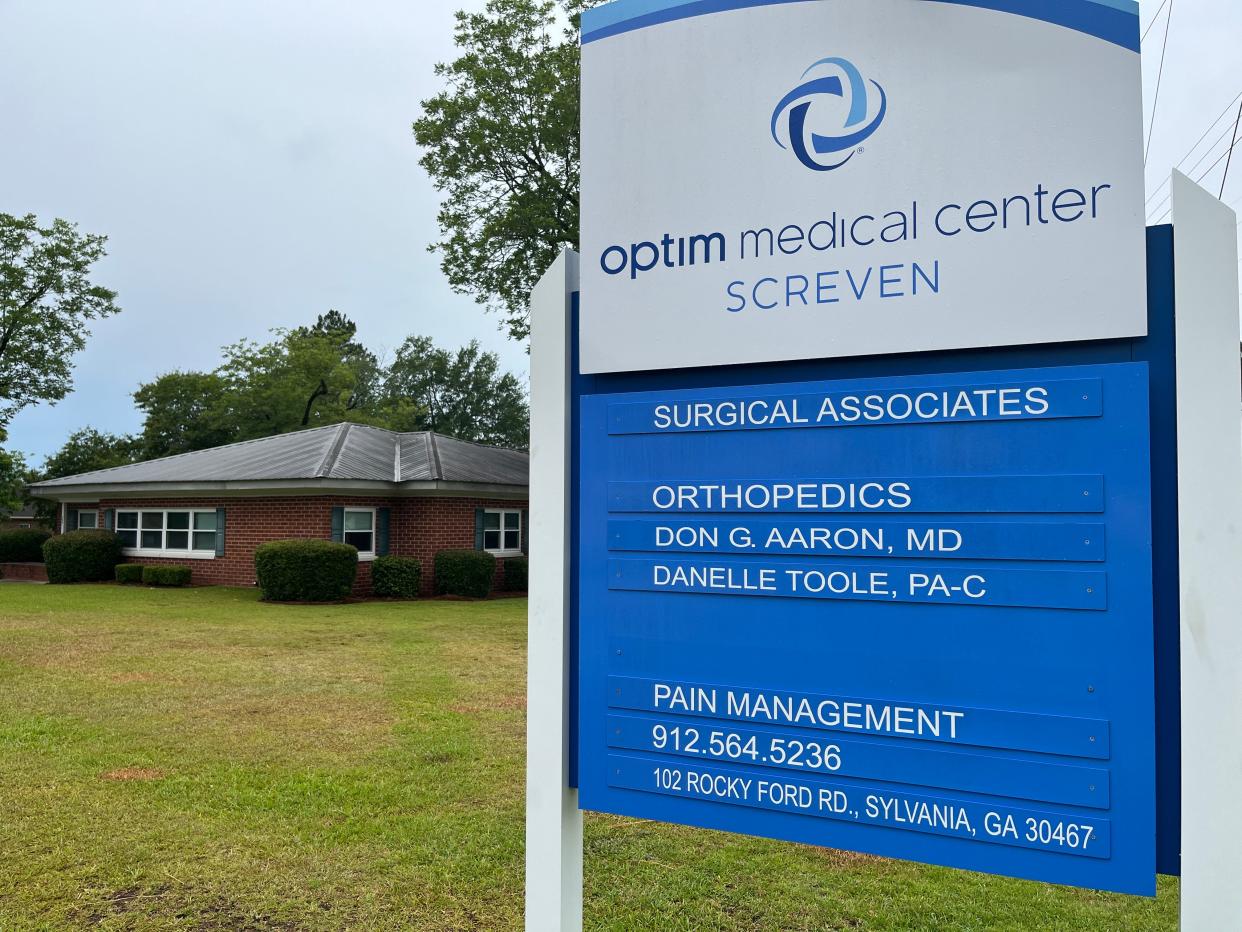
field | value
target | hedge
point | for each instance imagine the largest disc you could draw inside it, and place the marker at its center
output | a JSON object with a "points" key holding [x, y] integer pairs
{"points": [[397, 577], [24, 545], [128, 573], [166, 574], [82, 556], [515, 574], [305, 570], [465, 572]]}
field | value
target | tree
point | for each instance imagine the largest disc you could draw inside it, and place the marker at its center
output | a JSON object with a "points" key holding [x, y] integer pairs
{"points": [[46, 299], [501, 143], [306, 377], [89, 449], [183, 412], [14, 477], [462, 394]]}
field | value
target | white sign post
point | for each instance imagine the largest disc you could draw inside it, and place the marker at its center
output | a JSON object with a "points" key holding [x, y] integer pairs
{"points": [[553, 820], [1209, 517]]}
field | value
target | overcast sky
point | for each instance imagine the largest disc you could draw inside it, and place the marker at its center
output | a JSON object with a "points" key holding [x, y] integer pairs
{"points": [[252, 165]]}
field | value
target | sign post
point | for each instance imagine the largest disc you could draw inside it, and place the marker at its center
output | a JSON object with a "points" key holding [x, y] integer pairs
{"points": [[553, 820], [1209, 502]]}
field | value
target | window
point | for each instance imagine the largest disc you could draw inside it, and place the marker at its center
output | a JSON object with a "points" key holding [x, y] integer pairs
{"points": [[360, 529], [502, 531], [88, 520], [168, 532]]}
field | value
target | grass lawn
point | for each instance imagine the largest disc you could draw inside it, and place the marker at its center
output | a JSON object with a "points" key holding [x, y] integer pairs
{"points": [[194, 759]]}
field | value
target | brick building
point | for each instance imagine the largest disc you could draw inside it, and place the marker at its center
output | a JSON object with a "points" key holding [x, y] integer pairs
{"points": [[407, 494]]}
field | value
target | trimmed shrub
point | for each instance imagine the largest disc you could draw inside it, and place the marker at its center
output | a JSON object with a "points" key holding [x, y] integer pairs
{"points": [[515, 574], [397, 577], [82, 556], [465, 572], [129, 573], [24, 545], [166, 574], [305, 570]]}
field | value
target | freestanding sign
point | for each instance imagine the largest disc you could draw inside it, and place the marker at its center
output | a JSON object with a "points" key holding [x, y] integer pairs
{"points": [[901, 604], [794, 179]]}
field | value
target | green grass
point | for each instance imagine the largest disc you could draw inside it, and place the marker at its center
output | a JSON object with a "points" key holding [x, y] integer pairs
{"points": [[193, 759]]}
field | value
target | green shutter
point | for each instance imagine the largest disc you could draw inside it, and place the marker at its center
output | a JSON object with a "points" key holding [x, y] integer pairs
{"points": [[383, 517], [109, 519], [478, 529], [526, 531], [338, 524], [71, 520], [219, 532]]}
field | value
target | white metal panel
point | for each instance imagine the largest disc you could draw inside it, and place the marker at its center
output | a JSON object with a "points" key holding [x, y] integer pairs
{"points": [[553, 820], [1209, 490]]}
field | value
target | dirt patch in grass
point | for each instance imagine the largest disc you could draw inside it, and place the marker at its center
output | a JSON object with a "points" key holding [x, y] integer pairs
{"points": [[134, 773]]}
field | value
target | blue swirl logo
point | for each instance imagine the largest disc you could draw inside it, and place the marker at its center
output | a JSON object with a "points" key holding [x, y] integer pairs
{"points": [[831, 77]]}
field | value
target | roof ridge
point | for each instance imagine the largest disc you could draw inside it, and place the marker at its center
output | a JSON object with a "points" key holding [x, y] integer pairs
{"points": [[334, 451], [433, 450], [478, 443], [396, 460]]}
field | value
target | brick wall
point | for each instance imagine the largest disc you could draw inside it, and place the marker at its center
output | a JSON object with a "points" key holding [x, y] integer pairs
{"points": [[418, 528]]}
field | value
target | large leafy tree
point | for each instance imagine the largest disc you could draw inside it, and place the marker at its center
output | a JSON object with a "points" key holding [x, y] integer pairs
{"points": [[183, 412], [14, 477], [305, 377], [89, 449], [501, 143], [460, 394], [47, 297]]}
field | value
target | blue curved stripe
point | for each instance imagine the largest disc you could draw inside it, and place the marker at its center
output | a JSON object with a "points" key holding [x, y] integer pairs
{"points": [[829, 85], [1114, 21]]}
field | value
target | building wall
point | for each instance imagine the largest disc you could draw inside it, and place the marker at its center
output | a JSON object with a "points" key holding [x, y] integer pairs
{"points": [[418, 528]]}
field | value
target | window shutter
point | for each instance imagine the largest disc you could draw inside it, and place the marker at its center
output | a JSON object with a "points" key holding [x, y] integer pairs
{"points": [[478, 529], [338, 524], [526, 531], [71, 520], [383, 518], [219, 532], [109, 519]]}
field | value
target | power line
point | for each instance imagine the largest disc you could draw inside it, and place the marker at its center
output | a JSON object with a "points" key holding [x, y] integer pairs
{"points": [[1185, 158], [1194, 168], [1151, 126], [1152, 23], [1229, 161], [1198, 180]]}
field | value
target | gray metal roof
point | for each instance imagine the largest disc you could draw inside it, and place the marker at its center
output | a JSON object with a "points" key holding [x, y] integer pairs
{"points": [[347, 452]]}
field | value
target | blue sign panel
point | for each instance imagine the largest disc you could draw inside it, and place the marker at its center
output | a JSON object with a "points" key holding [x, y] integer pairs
{"points": [[925, 633]]}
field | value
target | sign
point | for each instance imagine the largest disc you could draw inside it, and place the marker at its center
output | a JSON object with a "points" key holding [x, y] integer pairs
{"points": [[910, 616], [784, 179]]}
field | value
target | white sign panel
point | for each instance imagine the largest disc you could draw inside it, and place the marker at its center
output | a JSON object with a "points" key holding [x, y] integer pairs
{"points": [[791, 179]]}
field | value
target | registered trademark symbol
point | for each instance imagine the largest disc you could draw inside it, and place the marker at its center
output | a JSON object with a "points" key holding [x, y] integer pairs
{"points": [[861, 150]]}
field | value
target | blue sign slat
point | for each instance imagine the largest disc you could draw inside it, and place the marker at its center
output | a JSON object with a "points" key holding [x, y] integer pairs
{"points": [[1055, 398], [1021, 628], [1064, 735], [943, 540], [1058, 832], [981, 493], [831, 755], [936, 585]]}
